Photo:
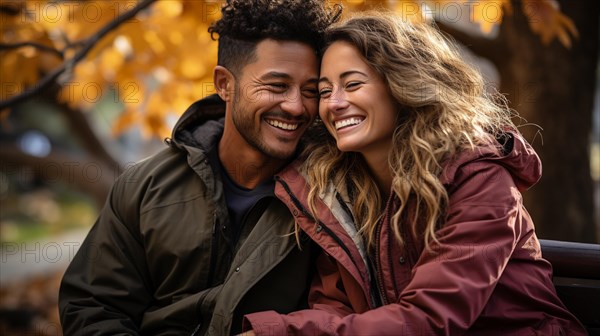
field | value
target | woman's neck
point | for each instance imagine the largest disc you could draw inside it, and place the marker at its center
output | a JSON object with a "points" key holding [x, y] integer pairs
{"points": [[380, 169]]}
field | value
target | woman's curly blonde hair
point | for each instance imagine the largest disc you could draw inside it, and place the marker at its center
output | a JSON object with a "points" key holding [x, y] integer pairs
{"points": [[443, 108]]}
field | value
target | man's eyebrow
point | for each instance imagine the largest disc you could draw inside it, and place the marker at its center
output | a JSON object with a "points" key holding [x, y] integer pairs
{"points": [[344, 75], [282, 75], [275, 75]]}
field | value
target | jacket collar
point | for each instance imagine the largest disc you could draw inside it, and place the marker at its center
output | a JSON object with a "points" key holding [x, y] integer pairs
{"points": [[333, 229], [511, 151], [201, 125]]}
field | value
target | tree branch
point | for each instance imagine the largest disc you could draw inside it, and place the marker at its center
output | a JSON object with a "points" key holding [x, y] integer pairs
{"points": [[479, 45], [11, 8], [42, 47], [88, 44]]}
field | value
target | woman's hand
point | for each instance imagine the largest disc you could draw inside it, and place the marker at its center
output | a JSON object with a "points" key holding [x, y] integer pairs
{"points": [[248, 333]]}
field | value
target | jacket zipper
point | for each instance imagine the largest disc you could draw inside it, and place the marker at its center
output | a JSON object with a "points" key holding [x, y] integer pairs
{"points": [[213, 248], [390, 255], [378, 262], [378, 266], [260, 205], [373, 282], [306, 213], [213, 262]]}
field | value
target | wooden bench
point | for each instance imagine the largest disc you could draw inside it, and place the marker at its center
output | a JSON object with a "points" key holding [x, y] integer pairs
{"points": [[576, 278]]}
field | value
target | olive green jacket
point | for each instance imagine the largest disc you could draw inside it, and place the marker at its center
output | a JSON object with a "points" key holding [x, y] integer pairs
{"points": [[159, 259]]}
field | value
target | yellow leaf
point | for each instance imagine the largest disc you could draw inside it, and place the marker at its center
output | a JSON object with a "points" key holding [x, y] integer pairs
{"points": [[204, 12], [110, 62], [11, 85], [192, 68], [131, 92], [546, 20], [126, 120], [154, 41], [168, 8], [358, 5], [176, 37], [154, 126], [153, 123], [25, 71], [85, 88], [8, 63], [488, 14]]}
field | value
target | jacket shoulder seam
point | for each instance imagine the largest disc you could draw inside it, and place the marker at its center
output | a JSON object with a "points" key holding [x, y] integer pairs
{"points": [[171, 203]]}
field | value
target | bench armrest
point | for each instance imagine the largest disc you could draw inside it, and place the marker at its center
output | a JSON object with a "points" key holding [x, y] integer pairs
{"points": [[572, 260]]}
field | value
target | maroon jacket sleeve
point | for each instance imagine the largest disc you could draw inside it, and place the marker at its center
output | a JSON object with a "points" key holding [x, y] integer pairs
{"points": [[449, 287]]}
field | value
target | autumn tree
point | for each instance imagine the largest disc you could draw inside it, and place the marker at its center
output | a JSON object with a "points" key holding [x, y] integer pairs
{"points": [[551, 83], [73, 54], [156, 58]]}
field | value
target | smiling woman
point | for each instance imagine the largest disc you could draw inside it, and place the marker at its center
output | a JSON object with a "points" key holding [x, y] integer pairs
{"points": [[411, 184], [356, 106]]}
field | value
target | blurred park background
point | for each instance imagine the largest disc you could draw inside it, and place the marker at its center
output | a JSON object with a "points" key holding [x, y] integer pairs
{"points": [[90, 87]]}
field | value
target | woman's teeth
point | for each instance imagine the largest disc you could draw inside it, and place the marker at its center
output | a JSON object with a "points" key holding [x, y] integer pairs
{"points": [[347, 122]]}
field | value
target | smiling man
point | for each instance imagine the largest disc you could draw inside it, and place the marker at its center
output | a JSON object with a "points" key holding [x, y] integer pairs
{"points": [[270, 105], [193, 238]]}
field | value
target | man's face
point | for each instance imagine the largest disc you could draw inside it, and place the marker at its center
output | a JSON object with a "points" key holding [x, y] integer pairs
{"points": [[275, 97]]}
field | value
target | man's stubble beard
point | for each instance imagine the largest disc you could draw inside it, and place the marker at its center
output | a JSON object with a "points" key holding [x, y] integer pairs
{"points": [[244, 122]]}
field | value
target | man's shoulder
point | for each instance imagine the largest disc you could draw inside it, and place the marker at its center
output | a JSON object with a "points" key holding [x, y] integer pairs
{"points": [[160, 161], [167, 168], [165, 178]]}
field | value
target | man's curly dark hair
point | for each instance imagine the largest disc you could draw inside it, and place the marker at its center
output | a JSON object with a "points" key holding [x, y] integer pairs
{"points": [[244, 23]]}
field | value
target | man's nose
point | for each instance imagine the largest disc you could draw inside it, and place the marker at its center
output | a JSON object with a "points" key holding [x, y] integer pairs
{"points": [[293, 103]]}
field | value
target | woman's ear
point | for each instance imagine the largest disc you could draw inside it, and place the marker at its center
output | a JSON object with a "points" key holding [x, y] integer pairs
{"points": [[224, 82]]}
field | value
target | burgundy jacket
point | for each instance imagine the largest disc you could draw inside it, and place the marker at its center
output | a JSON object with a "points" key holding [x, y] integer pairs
{"points": [[485, 277]]}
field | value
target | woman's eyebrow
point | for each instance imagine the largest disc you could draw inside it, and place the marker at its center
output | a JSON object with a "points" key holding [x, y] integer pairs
{"points": [[344, 75]]}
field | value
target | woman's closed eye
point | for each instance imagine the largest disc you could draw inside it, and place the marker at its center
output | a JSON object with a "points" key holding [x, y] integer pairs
{"points": [[353, 85], [325, 92]]}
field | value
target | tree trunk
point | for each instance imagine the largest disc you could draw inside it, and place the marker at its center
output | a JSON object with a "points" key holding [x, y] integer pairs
{"points": [[553, 87], [87, 174]]}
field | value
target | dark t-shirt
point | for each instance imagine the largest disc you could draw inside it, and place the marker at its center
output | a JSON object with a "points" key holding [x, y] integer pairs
{"points": [[240, 201]]}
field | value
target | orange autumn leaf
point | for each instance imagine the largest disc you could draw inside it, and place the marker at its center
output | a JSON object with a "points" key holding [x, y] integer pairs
{"points": [[488, 14], [161, 61], [153, 120], [359, 5], [126, 120], [546, 20]]}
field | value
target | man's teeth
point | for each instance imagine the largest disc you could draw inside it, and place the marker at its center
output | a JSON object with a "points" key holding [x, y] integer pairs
{"points": [[282, 125], [347, 122]]}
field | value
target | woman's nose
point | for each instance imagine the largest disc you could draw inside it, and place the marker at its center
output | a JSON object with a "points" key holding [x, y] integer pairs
{"points": [[337, 101]]}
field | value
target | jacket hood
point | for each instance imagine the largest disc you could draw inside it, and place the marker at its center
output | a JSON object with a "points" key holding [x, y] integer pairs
{"points": [[515, 154], [187, 130]]}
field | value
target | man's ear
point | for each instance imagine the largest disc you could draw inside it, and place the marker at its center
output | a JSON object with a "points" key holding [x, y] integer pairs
{"points": [[224, 82]]}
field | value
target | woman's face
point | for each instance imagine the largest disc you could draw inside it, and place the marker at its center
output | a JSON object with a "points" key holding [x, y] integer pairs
{"points": [[355, 103]]}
